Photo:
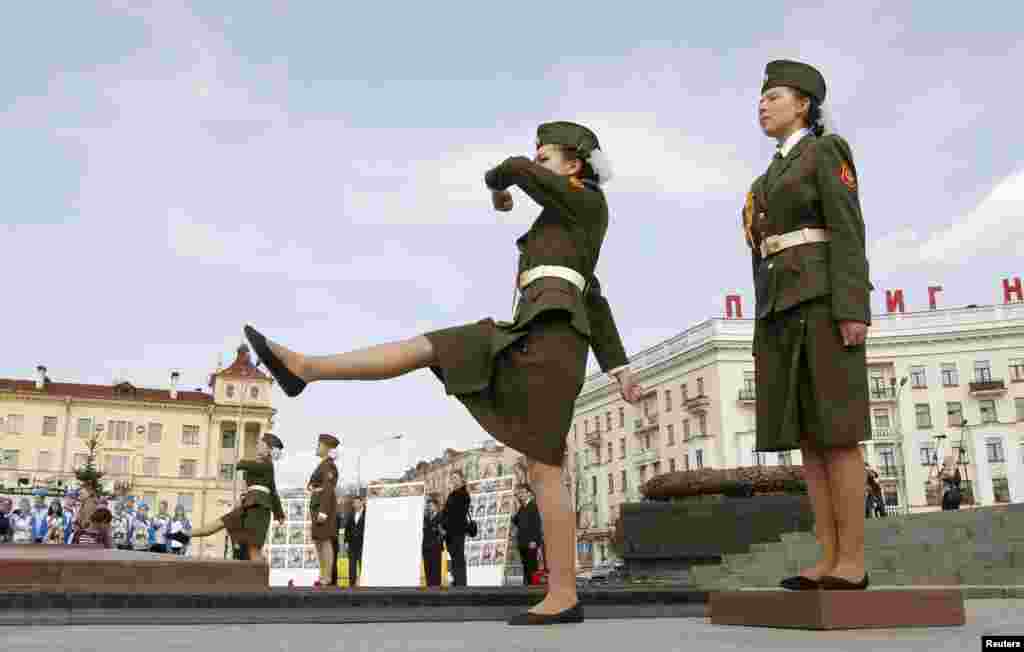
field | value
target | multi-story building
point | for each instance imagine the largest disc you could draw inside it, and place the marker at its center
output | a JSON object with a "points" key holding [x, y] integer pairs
{"points": [[488, 460], [956, 373], [157, 444]]}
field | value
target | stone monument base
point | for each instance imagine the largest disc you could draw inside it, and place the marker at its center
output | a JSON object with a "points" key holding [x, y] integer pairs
{"points": [[60, 568], [821, 610]]}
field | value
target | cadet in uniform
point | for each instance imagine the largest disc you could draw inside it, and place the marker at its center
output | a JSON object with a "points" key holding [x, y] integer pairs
{"points": [[248, 523], [323, 506], [519, 379], [803, 224]]}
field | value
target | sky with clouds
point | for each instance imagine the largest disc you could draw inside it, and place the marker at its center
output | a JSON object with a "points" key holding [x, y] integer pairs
{"points": [[172, 172]]}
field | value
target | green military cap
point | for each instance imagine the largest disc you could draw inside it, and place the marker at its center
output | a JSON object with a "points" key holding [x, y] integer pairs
{"points": [[795, 74], [569, 134], [273, 441], [330, 440]]}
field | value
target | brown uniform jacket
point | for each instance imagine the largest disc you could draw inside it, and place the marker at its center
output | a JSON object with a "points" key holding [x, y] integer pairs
{"points": [[814, 186], [260, 472], [568, 232], [325, 478]]}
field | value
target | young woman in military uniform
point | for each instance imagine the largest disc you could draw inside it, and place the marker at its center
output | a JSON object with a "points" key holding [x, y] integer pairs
{"points": [[804, 226], [248, 523], [519, 379], [323, 506]]}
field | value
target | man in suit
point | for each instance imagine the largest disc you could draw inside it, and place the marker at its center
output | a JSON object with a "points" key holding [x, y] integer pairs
{"points": [[528, 532], [454, 523], [433, 546], [354, 529]]}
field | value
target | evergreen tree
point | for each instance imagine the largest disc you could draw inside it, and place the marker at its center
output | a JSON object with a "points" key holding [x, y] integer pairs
{"points": [[89, 475]]}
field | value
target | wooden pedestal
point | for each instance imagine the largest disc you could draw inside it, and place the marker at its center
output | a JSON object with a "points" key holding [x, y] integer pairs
{"points": [[883, 608]]}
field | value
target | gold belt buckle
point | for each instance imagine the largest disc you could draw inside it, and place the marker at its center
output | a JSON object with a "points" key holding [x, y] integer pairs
{"points": [[773, 245]]}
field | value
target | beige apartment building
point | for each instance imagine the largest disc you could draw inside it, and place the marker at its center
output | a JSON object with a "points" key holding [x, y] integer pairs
{"points": [[964, 388], [158, 445], [489, 459]]}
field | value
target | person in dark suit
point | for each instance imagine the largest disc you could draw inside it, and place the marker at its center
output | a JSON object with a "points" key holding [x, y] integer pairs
{"points": [[336, 545], [454, 522], [354, 529], [528, 532], [432, 541]]}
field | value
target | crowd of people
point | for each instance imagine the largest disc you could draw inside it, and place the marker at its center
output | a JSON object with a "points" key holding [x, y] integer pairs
{"points": [[82, 517]]}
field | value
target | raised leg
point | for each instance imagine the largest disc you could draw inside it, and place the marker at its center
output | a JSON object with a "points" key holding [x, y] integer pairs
{"points": [[819, 491], [372, 363], [210, 528], [325, 553], [846, 483], [559, 538]]}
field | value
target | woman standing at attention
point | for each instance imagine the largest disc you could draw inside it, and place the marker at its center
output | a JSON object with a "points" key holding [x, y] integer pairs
{"points": [[804, 227], [518, 379]]}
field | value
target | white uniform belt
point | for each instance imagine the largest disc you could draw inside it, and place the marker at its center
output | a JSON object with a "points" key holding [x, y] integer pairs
{"points": [[776, 243], [540, 271], [258, 487]]}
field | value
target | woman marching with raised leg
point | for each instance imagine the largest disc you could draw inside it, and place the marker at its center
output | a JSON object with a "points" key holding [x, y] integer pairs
{"points": [[519, 379], [804, 227], [247, 524]]}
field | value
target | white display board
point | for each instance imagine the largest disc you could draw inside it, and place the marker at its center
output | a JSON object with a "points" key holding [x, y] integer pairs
{"points": [[393, 537], [492, 502]]}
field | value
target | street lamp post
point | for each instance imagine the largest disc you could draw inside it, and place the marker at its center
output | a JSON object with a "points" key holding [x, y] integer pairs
{"points": [[902, 479], [359, 457]]}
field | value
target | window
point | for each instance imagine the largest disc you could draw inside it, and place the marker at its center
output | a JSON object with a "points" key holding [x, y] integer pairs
{"points": [[187, 501], [643, 473], [982, 371], [686, 462], [116, 464], [151, 466], [671, 434], [187, 469], [611, 451], [955, 412], [668, 400], [623, 482], [881, 416], [622, 448], [686, 430], [608, 421], [887, 460], [703, 423], [749, 382], [928, 455], [156, 433], [227, 439], [950, 377], [119, 431], [230, 390], [786, 458], [254, 392], [988, 410], [994, 450], [924, 415], [190, 435], [79, 460], [657, 468], [622, 418], [683, 393], [50, 426], [672, 465], [84, 427], [1016, 370], [918, 377], [15, 424], [593, 485], [611, 483], [575, 434], [1000, 490], [9, 458], [45, 461], [700, 387], [1019, 404], [700, 459]]}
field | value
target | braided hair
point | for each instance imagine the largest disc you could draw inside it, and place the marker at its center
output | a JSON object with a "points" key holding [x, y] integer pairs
{"points": [[815, 115]]}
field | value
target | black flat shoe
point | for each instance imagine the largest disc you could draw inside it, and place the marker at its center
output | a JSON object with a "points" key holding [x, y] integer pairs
{"points": [[830, 583], [573, 614], [800, 583], [289, 382], [180, 537]]}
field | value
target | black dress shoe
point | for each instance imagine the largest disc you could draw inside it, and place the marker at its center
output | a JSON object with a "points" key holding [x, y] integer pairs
{"points": [[800, 583], [573, 614], [830, 583], [289, 382]]}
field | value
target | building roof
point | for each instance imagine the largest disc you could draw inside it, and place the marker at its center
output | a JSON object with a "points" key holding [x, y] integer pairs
{"points": [[242, 367], [122, 391]]}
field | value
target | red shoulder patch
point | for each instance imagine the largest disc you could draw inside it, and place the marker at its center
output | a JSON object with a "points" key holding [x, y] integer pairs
{"points": [[847, 177]]}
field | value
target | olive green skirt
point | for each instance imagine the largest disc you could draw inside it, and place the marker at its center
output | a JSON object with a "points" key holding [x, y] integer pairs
{"points": [[520, 385], [248, 525], [810, 387]]}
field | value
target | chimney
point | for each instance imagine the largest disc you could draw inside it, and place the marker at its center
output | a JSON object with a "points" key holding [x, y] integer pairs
{"points": [[174, 384], [40, 376]]}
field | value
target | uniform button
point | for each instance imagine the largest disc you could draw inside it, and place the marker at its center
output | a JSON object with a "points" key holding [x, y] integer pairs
{"points": [[771, 265]]}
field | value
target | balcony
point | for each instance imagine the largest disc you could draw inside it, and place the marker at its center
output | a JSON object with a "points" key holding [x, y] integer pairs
{"points": [[882, 434], [879, 393], [988, 387], [638, 423], [648, 456], [643, 425], [698, 404], [747, 396], [889, 472]]}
